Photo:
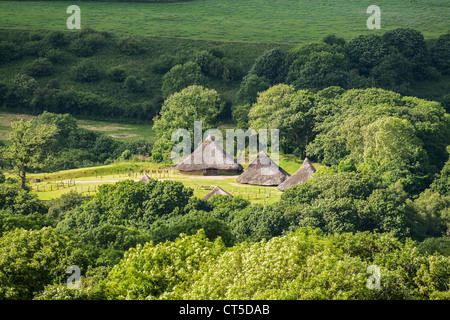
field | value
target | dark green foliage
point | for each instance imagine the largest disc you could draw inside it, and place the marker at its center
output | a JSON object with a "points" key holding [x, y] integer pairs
{"points": [[129, 203], [130, 46], [180, 77], [164, 63], [412, 151], [82, 48], [86, 71], [107, 243], [71, 101], [56, 56], [139, 147], [440, 54], [15, 200], [8, 51], [33, 221], [32, 259], [190, 223], [3, 92], [394, 72], [435, 245], [257, 222], [39, 67], [117, 74], [347, 165], [272, 64], [319, 71], [133, 84], [210, 65], [366, 52], [87, 44], [432, 211], [240, 115], [250, 87], [334, 40], [58, 207], [73, 147], [442, 182], [56, 39], [411, 44], [348, 202], [20, 91]]}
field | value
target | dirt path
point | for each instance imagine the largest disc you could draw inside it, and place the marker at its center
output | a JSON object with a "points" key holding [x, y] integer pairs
{"points": [[187, 178]]}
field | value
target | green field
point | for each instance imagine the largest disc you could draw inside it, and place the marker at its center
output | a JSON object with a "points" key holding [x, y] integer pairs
{"points": [[233, 20], [86, 180], [120, 131]]}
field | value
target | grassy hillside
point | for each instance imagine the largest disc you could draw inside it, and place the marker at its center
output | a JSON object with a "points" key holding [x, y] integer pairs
{"points": [[232, 20], [120, 131], [156, 56]]}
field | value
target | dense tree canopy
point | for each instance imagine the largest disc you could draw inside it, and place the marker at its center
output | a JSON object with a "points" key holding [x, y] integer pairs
{"points": [[30, 143], [380, 196], [29, 260], [181, 110]]}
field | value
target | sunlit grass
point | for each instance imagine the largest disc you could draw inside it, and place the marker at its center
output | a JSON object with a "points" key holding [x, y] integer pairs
{"points": [[87, 180], [232, 20]]}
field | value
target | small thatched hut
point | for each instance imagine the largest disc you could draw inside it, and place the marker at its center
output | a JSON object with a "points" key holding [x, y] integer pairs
{"points": [[145, 178], [215, 191], [302, 175], [263, 172], [209, 159]]}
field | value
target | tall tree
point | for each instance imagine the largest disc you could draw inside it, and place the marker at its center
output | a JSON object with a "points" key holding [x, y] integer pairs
{"points": [[30, 142], [282, 107], [181, 110]]}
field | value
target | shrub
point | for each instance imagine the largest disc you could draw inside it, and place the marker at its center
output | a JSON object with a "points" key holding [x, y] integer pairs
{"points": [[129, 46], [32, 259], [411, 44], [8, 51], [117, 74], [163, 64], [272, 65], [250, 87], [39, 67], [182, 76], [87, 44], [33, 48], [56, 39], [21, 90], [56, 56], [86, 71], [133, 84], [81, 48], [440, 54]]}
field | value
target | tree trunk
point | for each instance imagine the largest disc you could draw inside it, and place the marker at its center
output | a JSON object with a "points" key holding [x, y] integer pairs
{"points": [[22, 175]]}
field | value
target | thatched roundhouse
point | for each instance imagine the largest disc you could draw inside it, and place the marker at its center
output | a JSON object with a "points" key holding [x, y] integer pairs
{"points": [[145, 178], [215, 191], [263, 172], [209, 159], [302, 175]]}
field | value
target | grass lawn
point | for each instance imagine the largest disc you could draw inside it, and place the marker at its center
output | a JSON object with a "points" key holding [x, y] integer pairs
{"points": [[119, 131], [232, 20], [87, 180]]}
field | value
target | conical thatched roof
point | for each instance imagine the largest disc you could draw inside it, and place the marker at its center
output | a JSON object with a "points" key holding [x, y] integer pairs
{"points": [[302, 175], [209, 155], [145, 178], [217, 190], [263, 172]]}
